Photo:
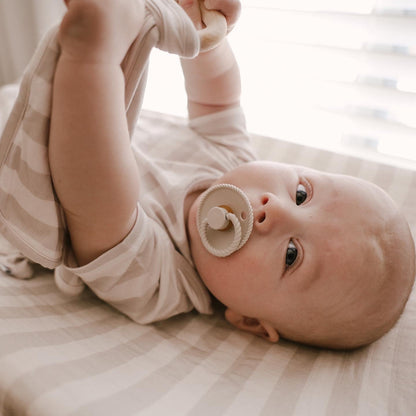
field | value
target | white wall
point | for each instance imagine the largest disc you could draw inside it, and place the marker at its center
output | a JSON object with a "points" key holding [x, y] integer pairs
{"points": [[22, 24]]}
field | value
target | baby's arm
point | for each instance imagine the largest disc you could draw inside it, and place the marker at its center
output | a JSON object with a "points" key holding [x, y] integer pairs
{"points": [[212, 79], [93, 169]]}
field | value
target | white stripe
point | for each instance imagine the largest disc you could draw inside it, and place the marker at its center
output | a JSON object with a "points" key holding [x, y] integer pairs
{"points": [[40, 96], [14, 366], [43, 211], [119, 263], [26, 301], [189, 391], [52, 322], [34, 245], [103, 385], [377, 378], [317, 391], [260, 385]]}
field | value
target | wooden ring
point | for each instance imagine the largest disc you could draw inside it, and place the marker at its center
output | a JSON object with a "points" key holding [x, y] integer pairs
{"points": [[215, 28]]}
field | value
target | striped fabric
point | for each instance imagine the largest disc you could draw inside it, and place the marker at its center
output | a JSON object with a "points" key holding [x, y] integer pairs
{"points": [[30, 215], [80, 357], [60, 356]]}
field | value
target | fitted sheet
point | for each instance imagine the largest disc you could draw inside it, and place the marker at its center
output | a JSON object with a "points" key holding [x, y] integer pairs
{"points": [[65, 356]]}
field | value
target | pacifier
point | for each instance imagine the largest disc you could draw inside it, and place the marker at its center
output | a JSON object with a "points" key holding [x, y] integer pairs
{"points": [[224, 219], [215, 29]]}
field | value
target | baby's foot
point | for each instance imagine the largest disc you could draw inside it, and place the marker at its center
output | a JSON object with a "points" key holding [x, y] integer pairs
{"points": [[100, 31]]}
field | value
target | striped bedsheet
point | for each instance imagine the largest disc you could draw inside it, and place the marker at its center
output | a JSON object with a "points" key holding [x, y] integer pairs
{"points": [[61, 356]]}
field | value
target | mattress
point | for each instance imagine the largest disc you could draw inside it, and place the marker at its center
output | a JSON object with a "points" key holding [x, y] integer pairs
{"points": [[62, 356]]}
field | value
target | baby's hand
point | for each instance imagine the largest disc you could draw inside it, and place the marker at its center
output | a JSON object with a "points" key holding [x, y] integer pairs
{"points": [[231, 9]]}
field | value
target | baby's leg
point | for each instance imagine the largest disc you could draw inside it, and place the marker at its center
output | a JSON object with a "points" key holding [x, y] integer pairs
{"points": [[93, 168]]}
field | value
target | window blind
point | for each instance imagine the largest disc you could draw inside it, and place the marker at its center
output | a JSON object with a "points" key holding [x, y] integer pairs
{"points": [[338, 74]]}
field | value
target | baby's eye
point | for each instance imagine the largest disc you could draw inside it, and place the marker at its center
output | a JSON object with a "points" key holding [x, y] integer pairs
{"points": [[301, 194], [291, 254]]}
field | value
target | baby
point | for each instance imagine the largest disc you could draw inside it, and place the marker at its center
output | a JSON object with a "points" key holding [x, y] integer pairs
{"points": [[330, 260]]}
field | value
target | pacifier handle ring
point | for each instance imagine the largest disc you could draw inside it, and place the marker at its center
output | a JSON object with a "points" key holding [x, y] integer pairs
{"points": [[232, 247], [215, 29]]}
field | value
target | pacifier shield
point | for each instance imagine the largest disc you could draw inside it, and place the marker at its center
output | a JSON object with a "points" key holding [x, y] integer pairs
{"points": [[224, 219]]}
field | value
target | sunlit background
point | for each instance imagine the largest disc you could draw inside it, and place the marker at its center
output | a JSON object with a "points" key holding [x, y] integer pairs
{"points": [[334, 74]]}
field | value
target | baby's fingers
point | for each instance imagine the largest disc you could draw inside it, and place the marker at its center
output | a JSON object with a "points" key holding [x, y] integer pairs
{"points": [[231, 9]]}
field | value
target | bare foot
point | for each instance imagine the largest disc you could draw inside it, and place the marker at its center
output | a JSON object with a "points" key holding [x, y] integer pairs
{"points": [[100, 31]]}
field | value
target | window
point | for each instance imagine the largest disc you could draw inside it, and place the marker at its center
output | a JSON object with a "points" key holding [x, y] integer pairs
{"points": [[335, 74]]}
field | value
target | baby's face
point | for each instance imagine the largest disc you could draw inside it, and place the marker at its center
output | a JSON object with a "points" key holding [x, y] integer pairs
{"points": [[301, 258]]}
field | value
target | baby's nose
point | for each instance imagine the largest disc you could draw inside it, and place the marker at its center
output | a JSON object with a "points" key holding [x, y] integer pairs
{"points": [[274, 212]]}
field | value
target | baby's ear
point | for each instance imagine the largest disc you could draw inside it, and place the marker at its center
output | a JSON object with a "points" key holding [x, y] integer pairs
{"points": [[254, 326]]}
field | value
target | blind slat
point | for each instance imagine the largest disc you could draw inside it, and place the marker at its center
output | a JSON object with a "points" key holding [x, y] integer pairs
{"points": [[332, 73], [403, 8], [369, 33]]}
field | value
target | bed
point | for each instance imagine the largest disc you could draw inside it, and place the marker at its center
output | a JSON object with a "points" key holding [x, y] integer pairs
{"points": [[62, 356]]}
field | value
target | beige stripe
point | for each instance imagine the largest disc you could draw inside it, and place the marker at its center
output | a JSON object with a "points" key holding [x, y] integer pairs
{"points": [[140, 351], [27, 300], [30, 360], [317, 389], [223, 393], [165, 368], [346, 390], [23, 289], [39, 183], [258, 388], [119, 260], [24, 95], [82, 314], [183, 153], [40, 96], [402, 382], [48, 377], [108, 276], [32, 153], [152, 185], [47, 66], [45, 211], [24, 339], [288, 388], [135, 67], [45, 239], [9, 130], [36, 125]]}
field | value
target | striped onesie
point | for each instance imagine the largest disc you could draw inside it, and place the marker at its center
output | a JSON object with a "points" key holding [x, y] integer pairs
{"points": [[149, 276]]}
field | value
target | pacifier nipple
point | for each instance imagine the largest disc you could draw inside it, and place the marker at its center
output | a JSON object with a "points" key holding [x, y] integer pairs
{"points": [[225, 219]]}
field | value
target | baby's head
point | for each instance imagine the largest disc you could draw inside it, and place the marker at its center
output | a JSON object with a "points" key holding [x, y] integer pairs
{"points": [[330, 261]]}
